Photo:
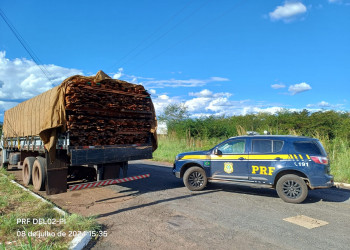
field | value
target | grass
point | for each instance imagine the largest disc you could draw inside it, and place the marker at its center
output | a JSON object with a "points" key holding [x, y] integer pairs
{"points": [[15, 203], [339, 156], [170, 146], [338, 151]]}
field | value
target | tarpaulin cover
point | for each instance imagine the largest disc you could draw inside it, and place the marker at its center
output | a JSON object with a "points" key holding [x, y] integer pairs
{"points": [[45, 115]]}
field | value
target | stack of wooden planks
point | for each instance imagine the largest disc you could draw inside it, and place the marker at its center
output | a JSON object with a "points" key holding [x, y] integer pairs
{"points": [[108, 112]]}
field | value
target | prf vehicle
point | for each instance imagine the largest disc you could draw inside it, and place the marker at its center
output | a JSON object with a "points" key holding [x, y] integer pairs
{"points": [[290, 164]]}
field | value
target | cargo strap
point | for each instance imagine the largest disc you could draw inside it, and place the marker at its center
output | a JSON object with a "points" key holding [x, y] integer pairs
{"points": [[106, 182]]}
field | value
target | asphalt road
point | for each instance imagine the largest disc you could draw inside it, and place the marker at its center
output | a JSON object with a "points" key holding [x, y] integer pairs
{"points": [[160, 213]]}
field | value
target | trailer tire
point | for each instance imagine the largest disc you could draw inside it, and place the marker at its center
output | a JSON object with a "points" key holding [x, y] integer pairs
{"points": [[1, 165], [27, 170], [38, 174]]}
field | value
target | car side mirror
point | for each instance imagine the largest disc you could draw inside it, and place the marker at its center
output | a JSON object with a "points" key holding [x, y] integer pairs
{"points": [[217, 151]]}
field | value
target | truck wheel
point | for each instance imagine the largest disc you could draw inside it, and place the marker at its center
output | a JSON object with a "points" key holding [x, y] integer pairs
{"points": [[27, 170], [1, 165], [195, 178], [291, 188], [38, 174]]}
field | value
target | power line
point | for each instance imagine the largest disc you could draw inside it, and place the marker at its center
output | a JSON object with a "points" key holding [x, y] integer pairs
{"points": [[193, 33], [26, 46], [152, 34], [169, 30]]}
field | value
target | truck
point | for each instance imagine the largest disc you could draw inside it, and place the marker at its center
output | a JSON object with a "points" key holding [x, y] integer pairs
{"points": [[86, 128]]}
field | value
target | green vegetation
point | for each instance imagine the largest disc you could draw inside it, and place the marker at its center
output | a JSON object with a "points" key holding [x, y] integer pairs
{"points": [[15, 203], [330, 127], [173, 113], [171, 145]]}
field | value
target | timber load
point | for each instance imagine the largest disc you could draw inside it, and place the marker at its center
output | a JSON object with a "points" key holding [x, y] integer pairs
{"points": [[107, 112]]}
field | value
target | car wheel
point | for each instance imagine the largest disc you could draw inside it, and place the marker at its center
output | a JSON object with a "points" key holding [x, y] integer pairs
{"points": [[291, 188], [195, 178]]}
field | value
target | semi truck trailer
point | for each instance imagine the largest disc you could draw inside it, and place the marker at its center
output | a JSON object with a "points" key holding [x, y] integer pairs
{"points": [[86, 128]]}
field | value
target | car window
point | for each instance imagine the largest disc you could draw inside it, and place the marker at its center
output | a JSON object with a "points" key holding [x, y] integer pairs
{"points": [[277, 145], [308, 147], [266, 146], [233, 147]]}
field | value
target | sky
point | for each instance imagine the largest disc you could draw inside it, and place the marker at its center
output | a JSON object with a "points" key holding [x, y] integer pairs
{"points": [[217, 57]]}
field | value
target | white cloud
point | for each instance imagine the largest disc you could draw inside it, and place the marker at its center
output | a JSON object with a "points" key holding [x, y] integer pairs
{"points": [[23, 79], [208, 93], [207, 100], [298, 88], [197, 104], [174, 83], [325, 105], [163, 97], [218, 104], [288, 12], [118, 74], [161, 101], [218, 79], [203, 93], [206, 103], [201, 115], [132, 78], [278, 86], [153, 91], [7, 105]]}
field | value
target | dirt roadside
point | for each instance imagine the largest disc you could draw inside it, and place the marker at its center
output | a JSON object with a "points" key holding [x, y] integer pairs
{"points": [[145, 224], [85, 202]]}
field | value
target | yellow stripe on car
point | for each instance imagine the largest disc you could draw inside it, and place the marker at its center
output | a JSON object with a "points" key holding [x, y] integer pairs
{"points": [[236, 157], [196, 157]]}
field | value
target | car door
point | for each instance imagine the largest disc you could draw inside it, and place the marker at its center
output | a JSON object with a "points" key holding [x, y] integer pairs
{"points": [[230, 160], [265, 158]]}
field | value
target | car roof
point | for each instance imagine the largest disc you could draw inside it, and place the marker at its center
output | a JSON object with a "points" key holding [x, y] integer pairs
{"points": [[274, 136]]}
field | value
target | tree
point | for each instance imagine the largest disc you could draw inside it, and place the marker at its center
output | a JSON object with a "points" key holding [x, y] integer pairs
{"points": [[174, 113]]}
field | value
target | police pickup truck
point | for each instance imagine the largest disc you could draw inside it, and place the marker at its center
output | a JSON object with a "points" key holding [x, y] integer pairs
{"points": [[290, 164]]}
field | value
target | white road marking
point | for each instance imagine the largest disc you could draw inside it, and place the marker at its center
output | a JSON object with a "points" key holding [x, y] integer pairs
{"points": [[305, 221]]}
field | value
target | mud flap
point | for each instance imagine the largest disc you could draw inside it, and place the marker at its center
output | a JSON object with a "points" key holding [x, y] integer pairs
{"points": [[56, 173]]}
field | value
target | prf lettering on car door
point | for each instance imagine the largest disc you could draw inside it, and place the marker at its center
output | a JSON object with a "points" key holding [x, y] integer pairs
{"points": [[262, 170]]}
